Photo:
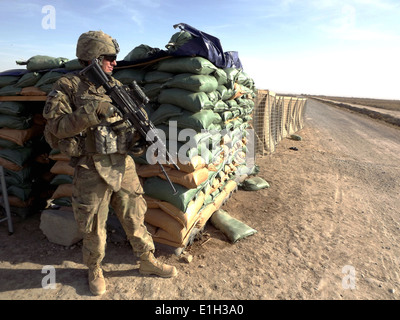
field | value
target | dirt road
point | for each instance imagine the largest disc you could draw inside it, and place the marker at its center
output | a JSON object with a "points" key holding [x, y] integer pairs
{"points": [[328, 228]]}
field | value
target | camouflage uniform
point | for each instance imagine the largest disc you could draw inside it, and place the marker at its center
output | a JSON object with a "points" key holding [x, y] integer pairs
{"points": [[99, 179]]}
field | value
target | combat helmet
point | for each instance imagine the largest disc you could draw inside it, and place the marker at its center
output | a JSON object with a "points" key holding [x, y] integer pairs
{"points": [[93, 44]]}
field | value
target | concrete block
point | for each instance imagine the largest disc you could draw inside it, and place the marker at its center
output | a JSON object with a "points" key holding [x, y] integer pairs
{"points": [[60, 227]]}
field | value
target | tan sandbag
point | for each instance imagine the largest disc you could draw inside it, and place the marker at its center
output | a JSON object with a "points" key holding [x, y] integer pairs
{"points": [[10, 165], [59, 156], [164, 237], [205, 214], [189, 180], [195, 205], [230, 186], [160, 219], [63, 190], [32, 91], [186, 219], [20, 137], [62, 167], [195, 163], [14, 201], [220, 198]]}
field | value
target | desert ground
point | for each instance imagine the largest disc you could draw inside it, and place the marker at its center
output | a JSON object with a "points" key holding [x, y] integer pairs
{"points": [[328, 228]]}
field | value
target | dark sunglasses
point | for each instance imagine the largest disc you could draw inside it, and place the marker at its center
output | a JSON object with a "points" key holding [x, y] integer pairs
{"points": [[110, 58]]}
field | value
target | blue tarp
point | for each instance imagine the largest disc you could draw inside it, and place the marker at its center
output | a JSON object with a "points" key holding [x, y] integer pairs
{"points": [[202, 44]]}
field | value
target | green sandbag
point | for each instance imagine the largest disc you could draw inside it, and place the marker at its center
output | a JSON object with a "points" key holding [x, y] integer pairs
{"points": [[234, 229], [156, 76], [193, 82], [28, 79], [126, 76], [191, 101], [18, 155], [49, 78], [160, 189], [8, 80], [164, 112], [14, 108], [40, 62], [61, 179], [197, 121], [152, 90], [196, 65], [254, 184], [15, 122], [140, 52], [10, 90], [73, 64], [20, 192], [177, 40]]}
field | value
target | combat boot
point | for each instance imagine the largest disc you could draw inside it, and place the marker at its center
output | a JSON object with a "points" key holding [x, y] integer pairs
{"points": [[97, 284], [150, 265]]}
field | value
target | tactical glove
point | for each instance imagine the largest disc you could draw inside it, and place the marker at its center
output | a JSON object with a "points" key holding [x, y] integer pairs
{"points": [[105, 109]]}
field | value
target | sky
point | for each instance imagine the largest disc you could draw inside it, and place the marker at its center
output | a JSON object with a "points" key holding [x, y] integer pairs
{"points": [[319, 47]]}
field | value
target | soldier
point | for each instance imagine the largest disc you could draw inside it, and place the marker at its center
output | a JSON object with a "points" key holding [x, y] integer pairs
{"points": [[81, 123]]}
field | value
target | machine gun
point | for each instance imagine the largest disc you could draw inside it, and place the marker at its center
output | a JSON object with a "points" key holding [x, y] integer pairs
{"points": [[130, 105]]}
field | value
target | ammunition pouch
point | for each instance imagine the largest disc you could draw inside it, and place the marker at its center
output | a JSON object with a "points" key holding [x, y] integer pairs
{"points": [[101, 139], [112, 138]]}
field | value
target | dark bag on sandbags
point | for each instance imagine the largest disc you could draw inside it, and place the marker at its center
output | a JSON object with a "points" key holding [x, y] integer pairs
{"points": [[200, 44], [234, 229]]}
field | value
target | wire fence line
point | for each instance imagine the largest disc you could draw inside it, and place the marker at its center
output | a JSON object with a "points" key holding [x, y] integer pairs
{"points": [[276, 117]]}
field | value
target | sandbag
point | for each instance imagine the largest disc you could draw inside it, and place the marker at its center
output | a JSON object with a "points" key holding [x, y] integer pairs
{"points": [[254, 184], [159, 218], [40, 62], [164, 112], [49, 78], [126, 76], [204, 215], [156, 76], [15, 159], [61, 179], [73, 64], [196, 65], [198, 120], [160, 189], [234, 229], [20, 137], [191, 101], [33, 91], [141, 52], [8, 80], [29, 79], [201, 44], [14, 108], [177, 40], [10, 90], [13, 122], [62, 191], [62, 167], [193, 82]]}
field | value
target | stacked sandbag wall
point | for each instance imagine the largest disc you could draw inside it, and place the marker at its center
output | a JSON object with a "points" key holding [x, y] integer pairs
{"points": [[23, 155], [216, 104]]}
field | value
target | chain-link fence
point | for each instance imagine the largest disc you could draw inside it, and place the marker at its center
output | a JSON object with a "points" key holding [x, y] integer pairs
{"points": [[274, 118]]}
